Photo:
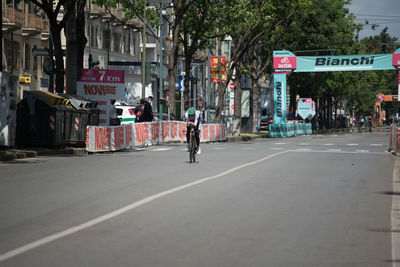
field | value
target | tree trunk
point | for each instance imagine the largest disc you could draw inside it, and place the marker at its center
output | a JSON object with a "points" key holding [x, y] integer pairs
{"points": [[58, 53], [80, 34], [237, 114], [187, 93], [256, 106]]}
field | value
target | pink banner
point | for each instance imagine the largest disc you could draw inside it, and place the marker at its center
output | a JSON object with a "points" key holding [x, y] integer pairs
{"points": [[102, 76], [128, 135], [119, 138], [285, 63], [155, 132], [182, 129]]}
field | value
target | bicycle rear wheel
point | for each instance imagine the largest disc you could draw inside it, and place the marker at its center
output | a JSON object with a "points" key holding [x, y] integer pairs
{"points": [[192, 150]]}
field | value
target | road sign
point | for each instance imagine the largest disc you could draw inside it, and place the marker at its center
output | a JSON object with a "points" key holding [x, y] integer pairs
{"points": [[306, 108], [43, 52], [232, 86]]}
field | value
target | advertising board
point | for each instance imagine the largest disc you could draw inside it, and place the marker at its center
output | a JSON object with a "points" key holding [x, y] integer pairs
{"points": [[102, 86]]}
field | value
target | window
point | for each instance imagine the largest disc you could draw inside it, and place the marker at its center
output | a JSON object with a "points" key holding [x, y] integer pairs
{"points": [[117, 41], [8, 52], [27, 56], [106, 39], [134, 45]]}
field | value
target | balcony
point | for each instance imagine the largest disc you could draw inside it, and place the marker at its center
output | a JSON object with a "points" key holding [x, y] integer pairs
{"points": [[32, 25], [96, 11], [12, 19]]}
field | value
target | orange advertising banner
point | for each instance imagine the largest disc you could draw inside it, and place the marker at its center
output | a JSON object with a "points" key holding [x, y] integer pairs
{"points": [[214, 68]]}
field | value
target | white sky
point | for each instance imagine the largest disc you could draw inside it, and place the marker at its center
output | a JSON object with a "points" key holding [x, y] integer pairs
{"points": [[382, 10]]}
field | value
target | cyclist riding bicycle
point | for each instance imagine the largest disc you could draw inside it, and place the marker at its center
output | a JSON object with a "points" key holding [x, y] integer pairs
{"points": [[192, 118]]}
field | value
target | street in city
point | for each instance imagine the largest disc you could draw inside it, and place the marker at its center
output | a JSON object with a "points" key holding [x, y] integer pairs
{"points": [[321, 200]]}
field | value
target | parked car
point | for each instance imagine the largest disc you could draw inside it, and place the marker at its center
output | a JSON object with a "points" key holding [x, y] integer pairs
{"points": [[125, 114]]}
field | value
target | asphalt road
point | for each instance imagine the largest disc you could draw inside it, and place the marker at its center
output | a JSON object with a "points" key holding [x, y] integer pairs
{"points": [[302, 201]]}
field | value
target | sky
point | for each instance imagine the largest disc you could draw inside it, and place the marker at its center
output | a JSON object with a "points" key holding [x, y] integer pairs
{"points": [[386, 13]]}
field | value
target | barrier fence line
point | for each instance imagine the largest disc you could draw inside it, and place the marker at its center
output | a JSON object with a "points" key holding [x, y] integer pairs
{"points": [[394, 142], [112, 138]]}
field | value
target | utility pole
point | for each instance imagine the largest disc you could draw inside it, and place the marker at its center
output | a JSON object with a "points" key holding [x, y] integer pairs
{"points": [[160, 112], [208, 100], [144, 39]]}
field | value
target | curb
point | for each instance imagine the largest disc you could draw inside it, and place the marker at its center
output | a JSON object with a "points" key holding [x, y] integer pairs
{"points": [[232, 139], [32, 154]]}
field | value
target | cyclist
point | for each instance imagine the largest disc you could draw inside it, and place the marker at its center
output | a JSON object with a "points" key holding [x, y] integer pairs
{"points": [[192, 118]]}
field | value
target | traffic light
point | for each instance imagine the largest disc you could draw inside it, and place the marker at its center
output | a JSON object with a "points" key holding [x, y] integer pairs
{"points": [[93, 63]]}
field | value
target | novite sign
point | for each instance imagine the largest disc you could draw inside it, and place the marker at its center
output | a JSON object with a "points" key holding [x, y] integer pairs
{"points": [[284, 61]]}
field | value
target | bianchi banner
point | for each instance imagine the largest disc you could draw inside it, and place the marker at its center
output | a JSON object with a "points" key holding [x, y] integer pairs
{"points": [[344, 63]]}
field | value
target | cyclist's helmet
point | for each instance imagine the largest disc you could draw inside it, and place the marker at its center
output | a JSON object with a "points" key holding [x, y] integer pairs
{"points": [[191, 111]]}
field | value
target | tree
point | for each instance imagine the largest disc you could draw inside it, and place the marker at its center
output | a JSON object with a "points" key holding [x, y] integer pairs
{"points": [[247, 22], [55, 30], [327, 28], [199, 29], [136, 9]]}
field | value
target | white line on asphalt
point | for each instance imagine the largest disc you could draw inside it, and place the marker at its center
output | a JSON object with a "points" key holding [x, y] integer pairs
{"points": [[395, 221], [376, 145], [303, 149], [304, 144], [351, 144], [280, 143], [329, 144], [338, 151], [134, 205], [219, 148], [362, 150], [162, 149], [334, 150], [276, 148]]}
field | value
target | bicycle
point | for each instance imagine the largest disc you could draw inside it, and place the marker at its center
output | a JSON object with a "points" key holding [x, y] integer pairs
{"points": [[192, 145]]}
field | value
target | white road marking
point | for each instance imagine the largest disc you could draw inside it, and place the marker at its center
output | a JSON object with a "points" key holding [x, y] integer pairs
{"points": [[376, 144], [162, 149], [338, 151], [276, 148], [280, 143], [329, 144], [362, 151], [351, 144], [304, 144], [303, 149], [219, 148], [134, 205]]}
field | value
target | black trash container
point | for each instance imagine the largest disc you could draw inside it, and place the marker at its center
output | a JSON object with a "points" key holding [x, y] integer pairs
{"points": [[39, 121]]}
